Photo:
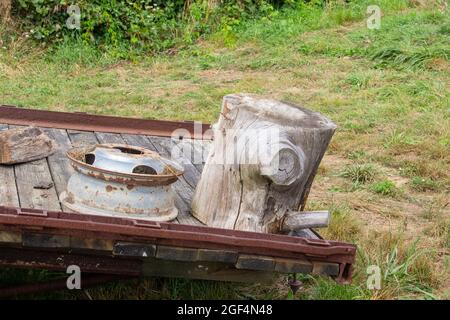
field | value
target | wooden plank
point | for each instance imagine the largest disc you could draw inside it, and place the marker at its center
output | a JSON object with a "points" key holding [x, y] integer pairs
{"points": [[292, 266], [201, 151], [91, 244], [191, 151], [38, 240], [104, 137], [216, 271], [304, 233], [32, 174], [176, 253], [30, 177], [8, 188], [59, 164], [165, 147], [217, 255], [10, 237], [131, 249], [325, 269], [191, 254], [138, 141], [253, 262], [82, 138]]}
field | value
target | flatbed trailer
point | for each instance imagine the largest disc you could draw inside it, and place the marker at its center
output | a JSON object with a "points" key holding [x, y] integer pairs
{"points": [[37, 231]]}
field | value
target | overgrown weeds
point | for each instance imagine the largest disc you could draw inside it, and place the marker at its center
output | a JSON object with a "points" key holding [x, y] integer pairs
{"points": [[359, 173]]}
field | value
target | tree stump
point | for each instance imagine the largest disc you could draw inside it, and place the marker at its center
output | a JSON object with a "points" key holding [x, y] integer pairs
{"points": [[25, 144], [261, 165]]}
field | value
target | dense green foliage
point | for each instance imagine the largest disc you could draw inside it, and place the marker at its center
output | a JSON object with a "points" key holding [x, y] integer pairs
{"points": [[144, 25]]}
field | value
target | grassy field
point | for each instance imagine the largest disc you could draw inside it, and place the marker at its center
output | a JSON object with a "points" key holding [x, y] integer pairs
{"points": [[386, 174]]}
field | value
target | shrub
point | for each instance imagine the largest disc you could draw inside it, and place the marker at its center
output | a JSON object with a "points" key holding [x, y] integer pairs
{"points": [[424, 184], [146, 25], [385, 187], [359, 173], [128, 24]]}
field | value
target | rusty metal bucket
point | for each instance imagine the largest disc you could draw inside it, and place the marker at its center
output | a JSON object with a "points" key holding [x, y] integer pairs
{"points": [[121, 180]]}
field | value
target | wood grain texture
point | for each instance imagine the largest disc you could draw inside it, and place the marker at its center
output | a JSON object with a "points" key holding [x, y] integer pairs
{"points": [[217, 271], [24, 144], [261, 163], [295, 220], [30, 177], [32, 174], [82, 138], [103, 137], [59, 164], [185, 185], [8, 188]]}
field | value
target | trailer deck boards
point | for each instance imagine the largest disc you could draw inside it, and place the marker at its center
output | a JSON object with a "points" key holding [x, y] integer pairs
{"points": [[37, 231], [22, 183]]}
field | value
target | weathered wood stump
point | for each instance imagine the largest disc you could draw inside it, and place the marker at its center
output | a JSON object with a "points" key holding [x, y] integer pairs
{"points": [[261, 165], [25, 144]]}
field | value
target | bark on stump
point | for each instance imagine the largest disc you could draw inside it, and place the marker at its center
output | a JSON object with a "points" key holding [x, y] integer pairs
{"points": [[261, 165]]}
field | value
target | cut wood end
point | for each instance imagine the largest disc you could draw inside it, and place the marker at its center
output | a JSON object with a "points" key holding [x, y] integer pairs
{"points": [[284, 168], [269, 109], [297, 220]]}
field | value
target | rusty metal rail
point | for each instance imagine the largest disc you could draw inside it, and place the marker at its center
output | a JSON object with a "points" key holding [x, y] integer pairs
{"points": [[121, 229], [100, 123]]}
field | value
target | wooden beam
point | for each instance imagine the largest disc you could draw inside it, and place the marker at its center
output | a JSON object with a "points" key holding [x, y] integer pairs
{"points": [[295, 220]]}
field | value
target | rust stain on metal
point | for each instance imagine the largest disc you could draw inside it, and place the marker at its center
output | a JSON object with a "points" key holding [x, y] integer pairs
{"points": [[122, 175], [110, 188], [78, 161], [88, 122], [189, 236]]}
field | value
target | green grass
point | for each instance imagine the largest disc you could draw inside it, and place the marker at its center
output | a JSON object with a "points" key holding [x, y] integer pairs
{"points": [[423, 184], [359, 173], [385, 187], [386, 89]]}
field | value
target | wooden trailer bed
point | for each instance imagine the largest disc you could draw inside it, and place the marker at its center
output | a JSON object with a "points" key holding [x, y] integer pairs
{"points": [[19, 181], [37, 185]]}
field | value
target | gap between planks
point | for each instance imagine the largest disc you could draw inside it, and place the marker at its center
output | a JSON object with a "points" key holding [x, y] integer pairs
{"points": [[30, 174]]}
